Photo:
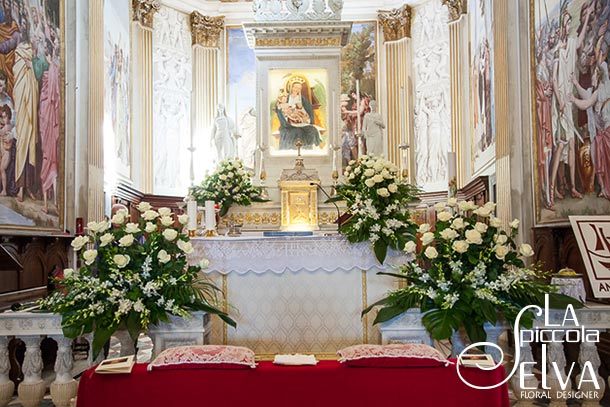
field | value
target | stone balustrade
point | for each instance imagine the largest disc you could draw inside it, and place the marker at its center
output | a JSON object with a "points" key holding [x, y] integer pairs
{"points": [[32, 328], [408, 327]]}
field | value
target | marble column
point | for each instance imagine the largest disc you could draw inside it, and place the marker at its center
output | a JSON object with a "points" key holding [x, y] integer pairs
{"points": [[95, 137], [142, 92], [396, 26], [460, 126], [7, 387], [205, 31], [64, 388], [32, 389]]}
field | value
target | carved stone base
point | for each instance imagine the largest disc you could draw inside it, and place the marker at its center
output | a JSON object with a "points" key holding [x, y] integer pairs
{"points": [[6, 392], [31, 394], [62, 393]]}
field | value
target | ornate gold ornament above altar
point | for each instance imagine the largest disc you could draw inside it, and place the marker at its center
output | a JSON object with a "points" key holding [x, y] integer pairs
{"points": [[299, 196]]}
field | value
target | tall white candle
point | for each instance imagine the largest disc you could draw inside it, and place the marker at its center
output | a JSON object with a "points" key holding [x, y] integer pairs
{"points": [[210, 215], [358, 106], [403, 119], [191, 211], [333, 138], [451, 174], [334, 153]]}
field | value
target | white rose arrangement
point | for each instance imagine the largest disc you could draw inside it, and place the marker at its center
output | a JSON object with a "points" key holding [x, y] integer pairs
{"points": [[230, 183], [377, 202], [468, 271], [134, 274]]}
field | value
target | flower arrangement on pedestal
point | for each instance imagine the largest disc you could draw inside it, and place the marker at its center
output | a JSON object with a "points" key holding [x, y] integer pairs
{"points": [[230, 183], [134, 274], [377, 202], [468, 272]]}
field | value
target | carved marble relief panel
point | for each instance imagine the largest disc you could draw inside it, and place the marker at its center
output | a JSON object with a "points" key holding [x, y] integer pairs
{"points": [[172, 77], [432, 118]]}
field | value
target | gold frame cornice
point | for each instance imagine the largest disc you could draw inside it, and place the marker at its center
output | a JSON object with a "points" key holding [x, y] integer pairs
{"points": [[456, 9], [144, 11], [205, 30], [396, 23]]}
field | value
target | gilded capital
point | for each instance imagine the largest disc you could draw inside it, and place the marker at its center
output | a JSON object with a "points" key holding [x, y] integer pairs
{"points": [[205, 30], [456, 9], [396, 23], [144, 10]]}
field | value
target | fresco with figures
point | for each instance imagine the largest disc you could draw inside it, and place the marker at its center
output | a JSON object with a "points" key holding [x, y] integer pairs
{"points": [[358, 63], [482, 95], [117, 102], [31, 115], [298, 111], [242, 93], [571, 104]]}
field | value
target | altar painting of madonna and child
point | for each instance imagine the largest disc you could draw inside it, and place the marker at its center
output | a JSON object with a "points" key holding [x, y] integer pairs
{"points": [[571, 97], [298, 111]]}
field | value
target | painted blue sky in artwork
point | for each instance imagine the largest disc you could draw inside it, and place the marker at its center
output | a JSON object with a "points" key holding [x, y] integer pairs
{"points": [[242, 74]]}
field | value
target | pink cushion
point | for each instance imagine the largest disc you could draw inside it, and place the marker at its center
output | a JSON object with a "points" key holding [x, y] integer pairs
{"points": [[204, 357], [397, 355]]}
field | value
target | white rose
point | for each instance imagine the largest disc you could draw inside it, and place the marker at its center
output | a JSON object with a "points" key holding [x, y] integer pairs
{"points": [[222, 177], [386, 174], [427, 238], [480, 227], [79, 242], [150, 227], [97, 227], [460, 246], [352, 162], [68, 272], [369, 172], [105, 239], [126, 241], [132, 228], [501, 251], [424, 227], [348, 169], [495, 222], [230, 174], [165, 212], [183, 219], [204, 263], [118, 218], [526, 250], [439, 206], [369, 182], [458, 223], [121, 260], [463, 205], [490, 205], [448, 234], [378, 166], [452, 202], [92, 227], [144, 206], [89, 256], [186, 247], [501, 239], [431, 253], [473, 237], [410, 247], [167, 220], [170, 234], [514, 224], [150, 215], [163, 256], [392, 188], [443, 216], [483, 212], [383, 192], [378, 178]]}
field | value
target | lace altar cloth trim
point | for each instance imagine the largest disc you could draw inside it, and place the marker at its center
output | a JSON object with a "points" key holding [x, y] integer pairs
{"points": [[261, 255]]}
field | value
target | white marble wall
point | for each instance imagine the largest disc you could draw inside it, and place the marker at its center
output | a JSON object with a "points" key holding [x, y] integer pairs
{"points": [[172, 84], [432, 116]]}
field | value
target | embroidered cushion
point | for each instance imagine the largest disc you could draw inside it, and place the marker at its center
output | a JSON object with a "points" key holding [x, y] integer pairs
{"points": [[396, 355], [204, 357]]}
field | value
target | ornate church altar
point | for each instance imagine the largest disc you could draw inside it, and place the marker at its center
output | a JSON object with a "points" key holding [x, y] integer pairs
{"points": [[296, 294]]}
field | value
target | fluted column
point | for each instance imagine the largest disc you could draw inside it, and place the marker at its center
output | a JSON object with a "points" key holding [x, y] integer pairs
{"points": [[142, 92], [95, 139], [205, 31], [458, 46], [396, 25]]}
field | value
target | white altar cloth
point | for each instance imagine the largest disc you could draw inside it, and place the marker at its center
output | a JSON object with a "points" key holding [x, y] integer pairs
{"points": [[254, 253]]}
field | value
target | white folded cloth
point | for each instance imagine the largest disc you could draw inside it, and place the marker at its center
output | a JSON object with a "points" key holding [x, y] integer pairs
{"points": [[295, 360]]}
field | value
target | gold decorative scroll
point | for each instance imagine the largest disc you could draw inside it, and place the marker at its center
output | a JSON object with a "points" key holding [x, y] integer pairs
{"points": [[456, 9], [298, 42], [396, 24], [144, 10], [206, 30]]}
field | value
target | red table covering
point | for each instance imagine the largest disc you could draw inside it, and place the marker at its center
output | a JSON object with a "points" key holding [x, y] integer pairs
{"points": [[327, 384]]}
